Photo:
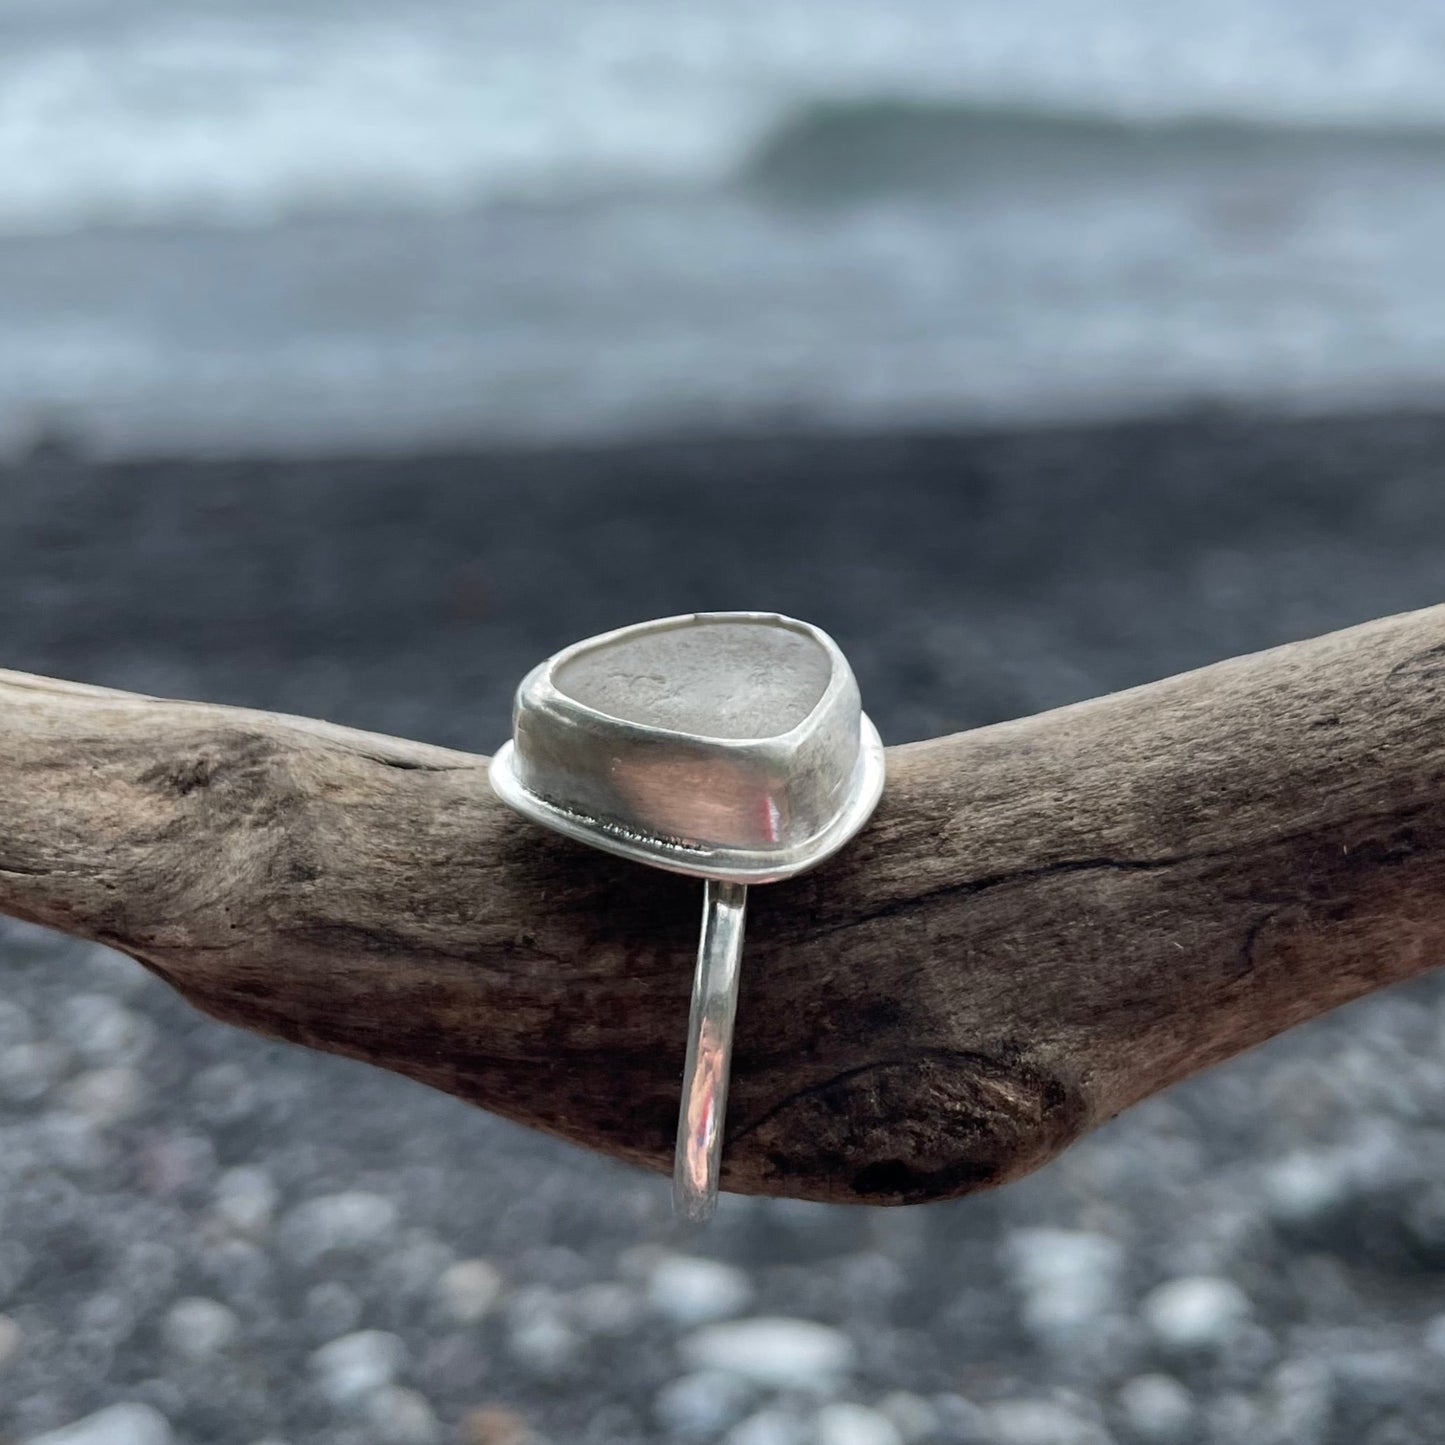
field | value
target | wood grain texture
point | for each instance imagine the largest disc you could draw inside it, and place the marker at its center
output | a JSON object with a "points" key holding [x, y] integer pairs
{"points": [[1047, 920]]}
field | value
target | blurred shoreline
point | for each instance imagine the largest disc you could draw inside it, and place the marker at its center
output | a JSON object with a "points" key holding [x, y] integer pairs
{"points": [[407, 592]]}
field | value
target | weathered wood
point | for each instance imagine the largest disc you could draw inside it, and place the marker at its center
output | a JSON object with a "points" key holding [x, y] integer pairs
{"points": [[1047, 920]]}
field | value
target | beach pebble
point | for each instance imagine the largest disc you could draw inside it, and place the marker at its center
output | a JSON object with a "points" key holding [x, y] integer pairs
{"points": [[1301, 1397], [102, 1030], [246, 1200], [330, 1309], [768, 1427], [701, 1405], [197, 1329], [913, 1417], [1435, 1335], [118, 1425], [357, 1365], [496, 1425], [772, 1351], [607, 1308], [105, 1096], [16, 1025], [398, 1416], [1197, 1312], [959, 1419], [30, 1070], [1068, 1277], [413, 1266], [691, 1291], [539, 1337], [468, 1290], [1307, 1185], [1157, 1408], [1042, 1422], [350, 1221], [11, 1338], [847, 1424]]}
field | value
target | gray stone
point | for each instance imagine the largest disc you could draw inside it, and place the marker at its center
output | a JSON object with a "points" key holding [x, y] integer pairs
{"points": [[197, 1329], [352, 1221], [701, 1405], [246, 1200], [1198, 1312], [11, 1339], [539, 1337], [692, 1291], [768, 1427], [30, 1070], [842, 1423], [402, 1417], [1307, 1185], [330, 1309], [1043, 1422], [16, 1025], [469, 1290], [913, 1417], [772, 1351], [105, 1096], [355, 1366], [1068, 1278], [118, 1425], [1157, 1408], [608, 1308], [103, 1031]]}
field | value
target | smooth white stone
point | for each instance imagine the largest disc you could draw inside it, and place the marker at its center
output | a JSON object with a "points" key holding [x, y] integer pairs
{"points": [[402, 1417], [30, 1070], [105, 1096], [1196, 1312], [469, 1290], [692, 1291], [118, 1425], [1068, 1277], [11, 1338], [846, 1424], [353, 1367], [1157, 1408], [103, 1031], [1042, 1422], [772, 1350], [701, 1405], [768, 1427], [607, 1308], [913, 1417], [246, 1200], [200, 1328], [353, 1220]]}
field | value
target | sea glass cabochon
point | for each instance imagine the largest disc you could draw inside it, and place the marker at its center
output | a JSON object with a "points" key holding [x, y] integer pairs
{"points": [[726, 745]]}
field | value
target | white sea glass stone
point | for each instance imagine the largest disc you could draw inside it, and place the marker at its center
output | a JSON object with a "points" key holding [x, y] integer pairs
{"points": [[727, 745]]}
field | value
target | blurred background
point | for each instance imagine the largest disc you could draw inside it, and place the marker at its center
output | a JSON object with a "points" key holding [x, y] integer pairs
{"points": [[352, 359]]}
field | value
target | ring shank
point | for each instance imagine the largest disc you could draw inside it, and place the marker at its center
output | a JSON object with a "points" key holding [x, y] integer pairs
{"points": [[703, 1113]]}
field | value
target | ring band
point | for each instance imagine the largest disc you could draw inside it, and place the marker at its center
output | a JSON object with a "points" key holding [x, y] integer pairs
{"points": [[730, 746], [697, 1163]]}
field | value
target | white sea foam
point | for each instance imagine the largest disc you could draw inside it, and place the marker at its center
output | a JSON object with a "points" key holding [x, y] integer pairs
{"points": [[240, 113], [297, 224]]}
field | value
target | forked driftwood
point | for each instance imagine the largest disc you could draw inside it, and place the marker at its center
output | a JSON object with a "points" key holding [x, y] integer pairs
{"points": [[1046, 921]]}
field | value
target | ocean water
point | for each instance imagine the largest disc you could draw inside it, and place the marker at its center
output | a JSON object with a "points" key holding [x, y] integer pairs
{"points": [[242, 225]]}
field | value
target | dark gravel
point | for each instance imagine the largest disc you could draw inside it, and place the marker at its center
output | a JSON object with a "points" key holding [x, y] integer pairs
{"points": [[1257, 1257]]}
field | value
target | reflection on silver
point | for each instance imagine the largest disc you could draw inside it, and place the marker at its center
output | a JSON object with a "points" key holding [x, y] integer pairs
{"points": [[730, 746], [698, 1160]]}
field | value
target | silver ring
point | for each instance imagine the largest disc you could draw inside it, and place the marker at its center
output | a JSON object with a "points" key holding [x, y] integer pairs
{"points": [[730, 746]]}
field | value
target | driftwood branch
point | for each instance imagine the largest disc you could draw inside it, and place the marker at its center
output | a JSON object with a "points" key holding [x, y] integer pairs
{"points": [[1047, 920]]}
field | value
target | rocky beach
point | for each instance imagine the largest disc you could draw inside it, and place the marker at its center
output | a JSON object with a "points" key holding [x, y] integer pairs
{"points": [[210, 1239]]}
